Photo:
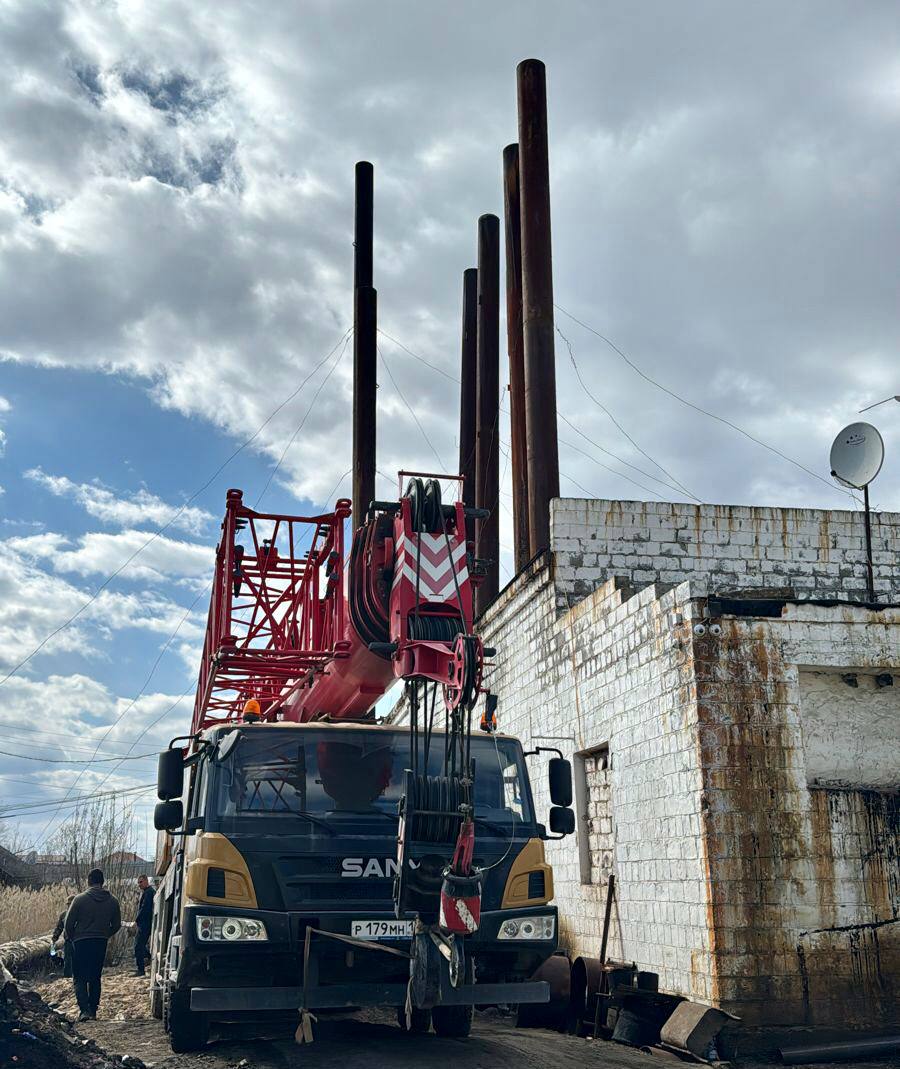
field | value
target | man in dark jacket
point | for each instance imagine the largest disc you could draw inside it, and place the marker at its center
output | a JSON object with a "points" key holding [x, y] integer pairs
{"points": [[57, 932], [143, 923], [93, 918]]}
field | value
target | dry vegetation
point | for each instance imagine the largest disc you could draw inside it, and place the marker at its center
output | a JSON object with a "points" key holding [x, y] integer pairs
{"points": [[25, 913]]}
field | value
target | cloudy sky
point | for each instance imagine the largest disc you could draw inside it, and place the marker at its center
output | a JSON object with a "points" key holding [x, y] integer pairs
{"points": [[175, 260]]}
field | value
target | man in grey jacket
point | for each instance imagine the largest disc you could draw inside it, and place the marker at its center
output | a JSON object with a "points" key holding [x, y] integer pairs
{"points": [[93, 918]]}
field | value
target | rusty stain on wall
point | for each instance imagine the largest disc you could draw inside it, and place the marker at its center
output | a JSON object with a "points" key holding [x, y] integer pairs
{"points": [[804, 885]]}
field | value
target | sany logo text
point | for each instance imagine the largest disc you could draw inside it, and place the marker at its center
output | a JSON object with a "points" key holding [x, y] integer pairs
{"points": [[357, 867]]}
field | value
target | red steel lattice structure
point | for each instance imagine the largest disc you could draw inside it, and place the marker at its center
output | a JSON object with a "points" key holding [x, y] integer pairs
{"points": [[277, 611]]}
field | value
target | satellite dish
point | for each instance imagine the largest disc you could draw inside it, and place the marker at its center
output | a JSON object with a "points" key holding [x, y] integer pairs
{"points": [[857, 455]]}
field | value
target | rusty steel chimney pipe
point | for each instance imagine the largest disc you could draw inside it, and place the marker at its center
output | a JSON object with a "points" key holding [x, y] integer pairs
{"points": [[365, 355], [516, 355], [468, 396], [537, 302], [487, 431]]}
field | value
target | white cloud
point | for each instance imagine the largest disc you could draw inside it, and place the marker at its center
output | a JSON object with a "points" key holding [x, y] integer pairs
{"points": [[138, 508], [99, 553], [68, 717], [5, 406], [36, 603], [179, 190]]}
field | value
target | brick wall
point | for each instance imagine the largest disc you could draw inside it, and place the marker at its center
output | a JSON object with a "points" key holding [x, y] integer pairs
{"points": [[607, 672], [814, 553], [741, 880]]}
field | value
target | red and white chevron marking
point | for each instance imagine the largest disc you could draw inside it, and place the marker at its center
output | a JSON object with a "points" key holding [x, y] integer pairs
{"points": [[436, 566]]}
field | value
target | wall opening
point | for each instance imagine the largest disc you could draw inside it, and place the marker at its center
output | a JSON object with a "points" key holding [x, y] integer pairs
{"points": [[596, 840]]}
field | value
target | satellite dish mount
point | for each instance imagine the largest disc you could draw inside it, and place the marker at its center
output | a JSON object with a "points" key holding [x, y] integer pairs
{"points": [[856, 458]]}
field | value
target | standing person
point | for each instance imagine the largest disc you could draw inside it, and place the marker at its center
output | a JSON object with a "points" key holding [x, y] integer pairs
{"points": [[93, 918], [58, 931], [143, 922]]}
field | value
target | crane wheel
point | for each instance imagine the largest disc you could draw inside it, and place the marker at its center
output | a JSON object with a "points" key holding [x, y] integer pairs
{"points": [[188, 1031], [455, 1021]]}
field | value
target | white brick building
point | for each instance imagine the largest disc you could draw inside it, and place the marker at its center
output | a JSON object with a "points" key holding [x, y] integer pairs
{"points": [[735, 726]]}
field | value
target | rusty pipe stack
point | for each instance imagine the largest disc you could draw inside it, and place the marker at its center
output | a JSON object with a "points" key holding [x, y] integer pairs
{"points": [[365, 354], [542, 449], [530, 348]]}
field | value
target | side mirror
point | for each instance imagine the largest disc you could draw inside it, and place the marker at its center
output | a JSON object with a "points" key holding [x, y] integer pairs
{"points": [[168, 816], [562, 820], [170, 774], [560, 774]]}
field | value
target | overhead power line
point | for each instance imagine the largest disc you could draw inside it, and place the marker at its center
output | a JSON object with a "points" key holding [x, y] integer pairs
{"points": [[410, 408], [690, 404], [66, 761], [618, 425]]}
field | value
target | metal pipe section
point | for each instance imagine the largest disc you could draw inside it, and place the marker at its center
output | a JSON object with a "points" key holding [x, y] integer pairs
{"points": [[515, 352], [365, 354], [841, 1052], [468, 396], [363, 225], [537, 302], [487, 430]]}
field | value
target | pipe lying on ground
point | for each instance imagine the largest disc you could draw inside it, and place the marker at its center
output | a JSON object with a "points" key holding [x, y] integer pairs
{"points": [[839, 1052]]}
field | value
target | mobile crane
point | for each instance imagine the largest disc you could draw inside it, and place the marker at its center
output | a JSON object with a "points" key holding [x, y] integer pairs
{"points": [[313, 857]]}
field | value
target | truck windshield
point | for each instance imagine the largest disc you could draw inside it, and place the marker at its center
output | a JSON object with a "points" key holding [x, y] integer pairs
{"points": [[330, 773]]}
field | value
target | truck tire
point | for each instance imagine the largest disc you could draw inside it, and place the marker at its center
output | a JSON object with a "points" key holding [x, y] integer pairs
{"points": [[420, 1023], [188, 1031], [452, 1020], [455, 1021]]}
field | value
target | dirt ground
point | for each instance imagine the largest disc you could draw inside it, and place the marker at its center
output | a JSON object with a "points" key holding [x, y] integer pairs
{"points": [[366, 1040]]}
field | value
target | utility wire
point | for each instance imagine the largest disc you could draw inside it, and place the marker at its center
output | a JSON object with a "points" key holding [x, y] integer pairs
{"points": [[159, 531], [691, 404], [607, 412], [674, 484], [36, 807], [302, 422], [621, 460], [421, 359], [65, 761], [409, 407]]}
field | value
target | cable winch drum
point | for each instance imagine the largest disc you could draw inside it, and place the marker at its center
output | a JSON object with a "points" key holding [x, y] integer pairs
{"points": [[432, 809]]}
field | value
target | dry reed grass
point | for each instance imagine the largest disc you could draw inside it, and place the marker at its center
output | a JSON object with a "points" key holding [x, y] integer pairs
{"points": [[25, 913]]}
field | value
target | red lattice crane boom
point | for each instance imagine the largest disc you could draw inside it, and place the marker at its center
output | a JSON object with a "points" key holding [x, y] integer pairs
{"points": [[305, 633]]}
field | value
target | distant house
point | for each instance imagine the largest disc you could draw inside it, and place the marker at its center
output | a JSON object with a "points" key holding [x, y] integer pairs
{"points": [[124, 863], [15, 872]]}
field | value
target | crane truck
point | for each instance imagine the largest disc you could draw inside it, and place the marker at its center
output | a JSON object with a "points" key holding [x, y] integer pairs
{"points": [[312, 857]]}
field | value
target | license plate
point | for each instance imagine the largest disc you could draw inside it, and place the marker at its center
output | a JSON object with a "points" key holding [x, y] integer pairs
{"points": [[377, 929]]}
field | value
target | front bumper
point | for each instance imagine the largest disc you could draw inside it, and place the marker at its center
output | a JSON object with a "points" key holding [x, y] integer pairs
{"points": [[260, 990]]}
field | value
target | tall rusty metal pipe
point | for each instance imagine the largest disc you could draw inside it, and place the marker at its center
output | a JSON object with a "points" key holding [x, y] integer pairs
{"points": [[516, 355], [537, 302], [365, 355], [487, 431], [468, 397]]}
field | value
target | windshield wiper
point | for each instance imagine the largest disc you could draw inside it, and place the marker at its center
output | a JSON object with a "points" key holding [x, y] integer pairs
{"points": [[308, 816]]}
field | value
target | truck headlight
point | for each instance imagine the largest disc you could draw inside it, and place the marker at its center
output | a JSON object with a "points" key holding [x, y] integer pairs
{"points": [[528, 928], [230, 929]]}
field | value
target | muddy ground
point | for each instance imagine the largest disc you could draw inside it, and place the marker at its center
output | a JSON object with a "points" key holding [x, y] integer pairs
{"points": [[366, 1040]]}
